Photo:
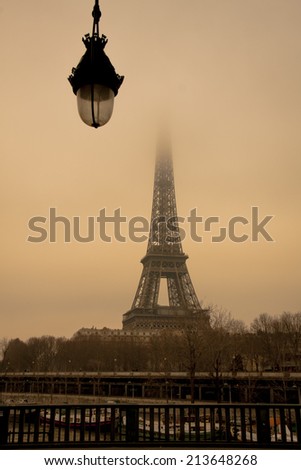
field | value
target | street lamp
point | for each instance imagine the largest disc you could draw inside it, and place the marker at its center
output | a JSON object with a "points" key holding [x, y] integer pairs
{"points": [[94, 81]]}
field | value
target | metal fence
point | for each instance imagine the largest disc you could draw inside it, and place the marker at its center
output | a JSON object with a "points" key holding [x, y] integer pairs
{"points": [[150, 426]]}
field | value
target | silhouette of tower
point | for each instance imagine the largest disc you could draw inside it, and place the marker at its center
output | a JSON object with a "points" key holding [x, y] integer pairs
{"points": [[164, 259]]}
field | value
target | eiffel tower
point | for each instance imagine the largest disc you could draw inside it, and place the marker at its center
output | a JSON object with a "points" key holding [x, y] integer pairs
{"points": [[164, 259]]}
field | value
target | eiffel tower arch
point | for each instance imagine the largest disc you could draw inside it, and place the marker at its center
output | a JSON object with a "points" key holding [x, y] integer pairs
{"points": [[164, 259]]}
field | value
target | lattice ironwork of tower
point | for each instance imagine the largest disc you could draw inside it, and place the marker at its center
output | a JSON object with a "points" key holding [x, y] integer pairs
{"points": [[164, 259]]}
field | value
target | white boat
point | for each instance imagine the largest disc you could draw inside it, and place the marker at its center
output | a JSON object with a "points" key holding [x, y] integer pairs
{"points": [[74, 420], [159, 428], [276, 435]]}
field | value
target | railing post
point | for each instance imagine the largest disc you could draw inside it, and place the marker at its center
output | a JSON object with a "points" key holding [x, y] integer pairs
{"points": [[227, 424], [36, 421], [243, 423], [263, 425], [51, 425], [67, 428], [21, 426], [132, 424], [4, 417], [298, 424], [282, 424]]}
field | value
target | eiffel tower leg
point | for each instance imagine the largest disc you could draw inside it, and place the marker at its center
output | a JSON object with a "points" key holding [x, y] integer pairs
{"points": [[181, 292], [174, 295], [148, 290], [191, 300]]}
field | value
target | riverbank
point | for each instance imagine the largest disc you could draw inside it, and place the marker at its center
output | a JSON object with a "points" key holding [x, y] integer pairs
{"points": [[40, 399]]}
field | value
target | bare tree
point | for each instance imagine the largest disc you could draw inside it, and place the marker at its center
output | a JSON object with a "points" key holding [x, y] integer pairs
{"points": [[15, 356], [275, 334], [191, 345], [3, 347], [42, 353], [291, 327], [222, 344]]}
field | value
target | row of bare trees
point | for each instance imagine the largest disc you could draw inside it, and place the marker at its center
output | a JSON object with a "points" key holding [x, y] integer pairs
{"points": [[220, 344], [278, 341]]}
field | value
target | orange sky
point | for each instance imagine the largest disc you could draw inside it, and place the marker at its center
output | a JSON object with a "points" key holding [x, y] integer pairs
{"points": [[227, 73]]}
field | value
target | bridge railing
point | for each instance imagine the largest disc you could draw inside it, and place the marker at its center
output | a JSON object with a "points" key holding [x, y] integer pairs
{"points": [[118, 425]]}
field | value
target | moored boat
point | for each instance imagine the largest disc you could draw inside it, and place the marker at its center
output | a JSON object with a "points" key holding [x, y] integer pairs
{"points": [[74, 419]]}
